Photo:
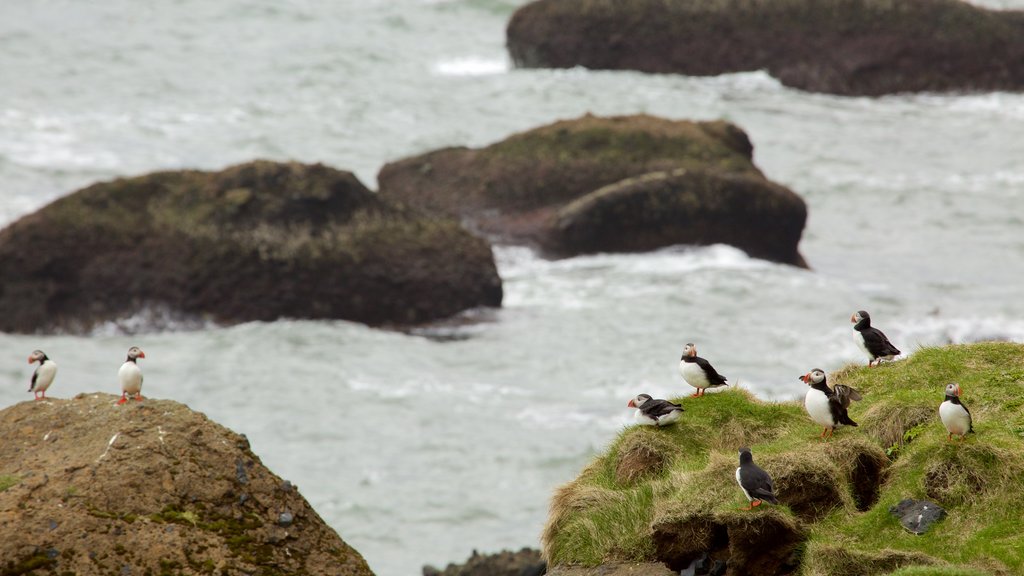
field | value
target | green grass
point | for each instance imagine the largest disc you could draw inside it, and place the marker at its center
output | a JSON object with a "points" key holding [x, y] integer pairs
{"points": [[8, 480], [649, 478]]}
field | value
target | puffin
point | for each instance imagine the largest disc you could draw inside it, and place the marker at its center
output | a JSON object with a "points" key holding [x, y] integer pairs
{"points": [[871, 340], [755, 482], [652, 412], [698, 372], [44, 374], [827, 406], [954, 415], [131, 376]]}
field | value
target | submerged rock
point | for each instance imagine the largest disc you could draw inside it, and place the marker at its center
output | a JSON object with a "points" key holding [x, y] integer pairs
{"points": [[525, 562], [617, 184], [148, 488], [855, 47], [257, 241]]}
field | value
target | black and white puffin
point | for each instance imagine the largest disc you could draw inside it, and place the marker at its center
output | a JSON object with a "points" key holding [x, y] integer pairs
{"points": [[954, 415], [653, 412], [755, 482], [43, 375], [130, 375], [698, 372], [871, 340], [827, 406]]}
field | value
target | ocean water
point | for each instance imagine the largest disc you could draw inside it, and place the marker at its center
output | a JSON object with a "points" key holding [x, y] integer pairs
{"points": [[420, 447]]}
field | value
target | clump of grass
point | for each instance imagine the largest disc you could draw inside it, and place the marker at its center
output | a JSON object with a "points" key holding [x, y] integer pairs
{"points": [[836, 494], [8, 480]]}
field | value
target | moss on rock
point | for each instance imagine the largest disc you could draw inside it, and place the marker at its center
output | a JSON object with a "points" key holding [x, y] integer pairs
{"points": [[257, 241], [550, 187], [856, 47]]}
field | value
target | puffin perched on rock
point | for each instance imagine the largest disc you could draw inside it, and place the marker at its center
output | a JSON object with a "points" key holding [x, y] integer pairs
{"points": [[43, 375], [755, 482], [130, 375], [698, 372], [827, 406], [652, 412], [871, 340], [954, 415]]}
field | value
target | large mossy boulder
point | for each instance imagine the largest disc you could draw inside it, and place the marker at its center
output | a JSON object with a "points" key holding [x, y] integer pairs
{"points": [[152, 487], [609, 184], [679, 503], [852, 47], [257, 241]]}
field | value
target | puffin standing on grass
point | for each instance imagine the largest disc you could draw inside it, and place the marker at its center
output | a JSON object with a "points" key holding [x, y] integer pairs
{"points": [[871, 340], [827, 406], [755, 482], [44, 374], [698, 372], [954, 415], [130, 375], [652, 412]]}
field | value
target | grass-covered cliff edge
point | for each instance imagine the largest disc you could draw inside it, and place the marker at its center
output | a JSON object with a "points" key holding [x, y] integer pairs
{"points": [[669, 494]]}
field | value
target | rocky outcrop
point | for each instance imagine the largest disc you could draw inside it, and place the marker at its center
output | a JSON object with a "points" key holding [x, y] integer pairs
{"points": [[616, 184], [852, 47], [525, 562], [90, 487], [257, 241]]}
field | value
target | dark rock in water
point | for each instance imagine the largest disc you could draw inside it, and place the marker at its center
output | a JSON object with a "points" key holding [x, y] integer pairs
{"points": [[617, 184], [854, 47], [258, 241], [917, 516], [526, 562]]}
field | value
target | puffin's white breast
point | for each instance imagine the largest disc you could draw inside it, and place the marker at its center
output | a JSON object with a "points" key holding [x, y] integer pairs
{"points": [[816, 403], [669, 418], [954, 418], [858, 337], [693, 374], [131, 377], [740, 482], [45, 375]]}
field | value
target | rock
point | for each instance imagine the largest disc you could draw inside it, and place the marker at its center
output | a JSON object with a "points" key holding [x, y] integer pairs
{"points": [[614, 569], [285, 519], [525, 562], [164, 502], [917, 516], [257, 241], [616, 184], [852, 47]]}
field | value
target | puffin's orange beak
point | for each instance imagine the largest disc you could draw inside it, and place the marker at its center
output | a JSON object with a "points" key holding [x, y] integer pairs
{"points": [[632, 404], [142, 354], [853, 318], [806, 378], [957, 390], [30, 360]]}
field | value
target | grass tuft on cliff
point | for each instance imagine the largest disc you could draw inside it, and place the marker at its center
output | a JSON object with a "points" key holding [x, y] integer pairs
{"points": [[668, 494]]}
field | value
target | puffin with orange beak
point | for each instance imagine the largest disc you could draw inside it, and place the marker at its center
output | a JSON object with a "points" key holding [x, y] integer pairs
{"points": [[43, 375], [827, 407], [130, 375], [871, 340], [954, 415], [653, 412], [698, 372]]}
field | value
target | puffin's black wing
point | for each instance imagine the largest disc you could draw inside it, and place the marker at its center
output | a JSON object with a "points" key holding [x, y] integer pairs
{"points": [[877, 343], [970, 418], [846, 394], [835, 405], [757, 483], [35, 376], [657, 408], [714, 378]]}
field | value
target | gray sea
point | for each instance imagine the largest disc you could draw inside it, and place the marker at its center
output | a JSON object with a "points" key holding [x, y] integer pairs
{"points": [[419, 448]]}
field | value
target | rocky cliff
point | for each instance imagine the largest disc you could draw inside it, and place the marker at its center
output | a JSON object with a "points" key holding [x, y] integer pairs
{"points": [[89, 487]]}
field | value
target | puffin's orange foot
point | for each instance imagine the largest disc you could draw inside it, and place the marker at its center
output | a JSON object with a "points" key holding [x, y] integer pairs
{"points": [[122, 400], [749, 507], [695, 395], [755, 503], [139, 398]]}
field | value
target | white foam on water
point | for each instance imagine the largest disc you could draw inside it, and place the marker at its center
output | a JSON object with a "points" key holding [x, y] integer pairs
{"points": [[471, 66]]}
